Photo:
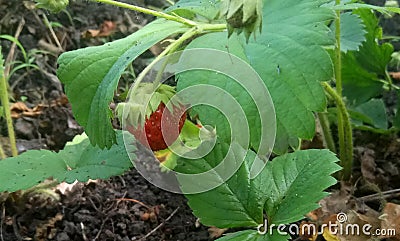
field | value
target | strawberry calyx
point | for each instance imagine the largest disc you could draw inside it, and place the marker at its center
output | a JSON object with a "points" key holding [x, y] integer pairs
{"points": [[143, 115]]}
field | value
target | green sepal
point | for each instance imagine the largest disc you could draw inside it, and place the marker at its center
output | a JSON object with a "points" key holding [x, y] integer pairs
{"points": [[242, 15], [145, 101]]}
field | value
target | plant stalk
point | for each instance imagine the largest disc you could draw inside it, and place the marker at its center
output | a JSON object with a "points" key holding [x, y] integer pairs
{"points": [[176, 44], [344, 125], [187, 35], [326, 129], [149, 11], [338, 53], [346, 151], [6, 104], [338, 78]]}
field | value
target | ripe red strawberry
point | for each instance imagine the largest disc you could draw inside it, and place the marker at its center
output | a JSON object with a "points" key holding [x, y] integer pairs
{"points": [[143, 115], [152, 135]]}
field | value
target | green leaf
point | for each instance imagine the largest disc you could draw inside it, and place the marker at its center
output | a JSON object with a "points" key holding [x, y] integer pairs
{"points": [[91, 76], [251, 235], [360, 71], [372, 113], [293, 34], [89, 162], [282, 188], [289, 57], [211, 116], [362, 121], [29, 169], [295, 182], [351, 31], [189, 8], [79, 160], [236, 202], [359, 84], [381, 52]]}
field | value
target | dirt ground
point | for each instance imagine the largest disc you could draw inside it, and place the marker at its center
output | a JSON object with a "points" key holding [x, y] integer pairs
{"points": [[122, 208], [125, 207]]}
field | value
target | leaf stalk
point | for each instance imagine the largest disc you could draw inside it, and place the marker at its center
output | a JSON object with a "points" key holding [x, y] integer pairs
{"points": [[344, 125], [346, 151], [325, 126], [167, 16], [4, 97], [176, 44]]}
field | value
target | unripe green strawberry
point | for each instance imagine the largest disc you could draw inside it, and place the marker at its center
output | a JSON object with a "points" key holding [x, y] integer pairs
{"points": [[242, 15]]}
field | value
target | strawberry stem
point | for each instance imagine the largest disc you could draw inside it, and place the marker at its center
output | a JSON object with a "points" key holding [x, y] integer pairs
{"points": [[187, 35], [167, 16], [196, 30], [346, 151]]}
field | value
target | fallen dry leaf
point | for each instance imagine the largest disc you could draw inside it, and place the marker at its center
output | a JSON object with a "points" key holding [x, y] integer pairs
{"points": [[352, 214], [337, 202], [19, 106], [65, 187], [395, 75], [216, 232], [391, 220], [329, 236], [19, 109], [359, 227], [368, 165], [106, 29]]}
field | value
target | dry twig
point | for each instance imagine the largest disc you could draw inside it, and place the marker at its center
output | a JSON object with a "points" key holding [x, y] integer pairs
{"points": [[160, 225], [381, 195], [135, 201], [11, 57]]}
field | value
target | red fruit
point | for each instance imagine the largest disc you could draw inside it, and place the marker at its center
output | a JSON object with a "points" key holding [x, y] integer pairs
{"points": [[152, 135]]}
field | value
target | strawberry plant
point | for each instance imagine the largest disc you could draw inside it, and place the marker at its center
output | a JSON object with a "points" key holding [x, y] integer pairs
{"points": [[253, 73]]}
